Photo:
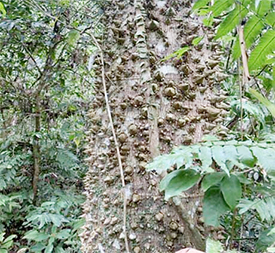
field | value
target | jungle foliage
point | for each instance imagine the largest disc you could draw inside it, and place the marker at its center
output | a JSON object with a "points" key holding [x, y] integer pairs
{"points": [[45, 90]]}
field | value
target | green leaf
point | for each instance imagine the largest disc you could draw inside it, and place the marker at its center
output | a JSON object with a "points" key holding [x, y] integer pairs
{"points": [[265, 47], [212, 179], [266, 158], [38, 247], [183, 181], [231, 155], [200, 3], [36, 236], [180, 156], [242, 178], [264, 240], [205, 155], [231, 21], [2, 237], [166, 180], [220, 6], [73, 37], [49, 248], [161, 163], [63, 234], [270, 106], [252, 29], [270, 19], [208, 21], [10, 238], [213, 206], [57, 219], [179, 53], [263, 7], [197, 40], [7, 245], [2, 9], [231, 190], [245, 205], [213, 246], [219, 156], [3, 251], [245, 156]]}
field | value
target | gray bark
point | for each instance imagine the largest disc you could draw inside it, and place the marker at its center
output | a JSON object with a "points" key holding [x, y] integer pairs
{"points": [[155, 105]]}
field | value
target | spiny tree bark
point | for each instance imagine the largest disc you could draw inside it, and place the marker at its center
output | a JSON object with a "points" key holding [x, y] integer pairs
{"points": [[155, 105]]}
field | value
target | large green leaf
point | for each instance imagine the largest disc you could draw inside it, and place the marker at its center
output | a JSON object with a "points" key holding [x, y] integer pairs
{"points": [[183, 181], [231, 21], [231, 190], [220, 6], [252, 29], [265, 47], [270, 19], [213, 206], [264, 7], [212, 179]]}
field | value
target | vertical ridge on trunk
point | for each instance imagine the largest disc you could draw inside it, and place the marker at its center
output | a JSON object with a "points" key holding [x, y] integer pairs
{"points": [[155, 105]]}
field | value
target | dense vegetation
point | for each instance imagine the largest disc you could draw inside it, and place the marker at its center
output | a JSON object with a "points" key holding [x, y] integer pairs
{"points": [[46, 88]]}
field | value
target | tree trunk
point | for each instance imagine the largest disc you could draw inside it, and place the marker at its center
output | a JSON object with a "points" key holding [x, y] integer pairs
{"points": [[155, 105]]}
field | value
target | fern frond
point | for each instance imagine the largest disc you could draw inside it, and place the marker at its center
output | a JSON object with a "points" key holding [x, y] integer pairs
{"points": [[263, 7], [265, 47], [231, 21], [252, 29], [270, 19], [220, 6], [264, 207], [225, 154]]}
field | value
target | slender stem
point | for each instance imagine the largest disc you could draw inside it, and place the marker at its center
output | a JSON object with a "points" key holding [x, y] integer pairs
{"points": [[233, 229], [241, 99], [36, 151]]}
